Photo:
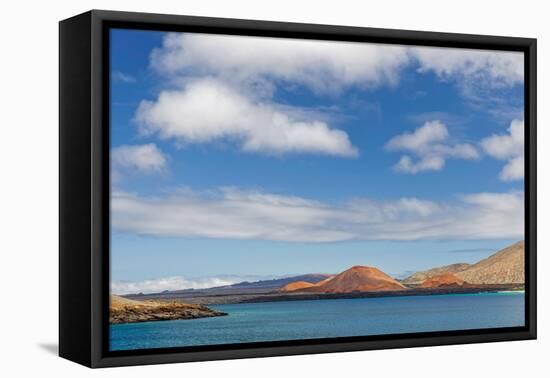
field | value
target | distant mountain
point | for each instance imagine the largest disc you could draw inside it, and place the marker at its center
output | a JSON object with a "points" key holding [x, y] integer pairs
{"points": [[277, 282], [245, 287], [419, 277], [444, 280], [504, 267], [357, 278]]}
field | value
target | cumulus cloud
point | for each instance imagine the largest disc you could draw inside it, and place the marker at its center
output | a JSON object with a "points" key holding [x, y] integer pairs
{"points": [[206, 110], [145, 158], [236, 214], [157, 285], [320, 65], [431, 146], [508, 147]]}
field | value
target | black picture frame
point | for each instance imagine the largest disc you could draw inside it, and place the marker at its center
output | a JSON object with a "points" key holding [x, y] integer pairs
{"points": [[84, 186]]}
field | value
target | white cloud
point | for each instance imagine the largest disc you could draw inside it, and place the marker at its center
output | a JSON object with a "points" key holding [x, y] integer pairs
{"points": [[506, 146], [207, 110], [493, 68], [223, 88], [509, 147], [320, 65], [430, 144], [145, 158], [157, 285], [421, 138], [228, 213], [235, 214]]}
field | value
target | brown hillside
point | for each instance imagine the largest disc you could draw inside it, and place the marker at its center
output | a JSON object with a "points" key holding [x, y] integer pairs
{"points": [[298, 285], [504, 267], [358, 278], [443, 280], [419, 277]]}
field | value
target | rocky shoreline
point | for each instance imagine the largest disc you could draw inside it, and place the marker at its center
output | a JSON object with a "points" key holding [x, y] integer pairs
{"points": [[123, 310]]}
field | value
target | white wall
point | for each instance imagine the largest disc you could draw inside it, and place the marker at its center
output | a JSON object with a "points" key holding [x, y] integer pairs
{"points": [[28, 207]]}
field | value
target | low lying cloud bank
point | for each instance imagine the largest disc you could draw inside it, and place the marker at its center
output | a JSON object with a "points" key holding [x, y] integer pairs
{"points": [[236, 214], [158, 285]]}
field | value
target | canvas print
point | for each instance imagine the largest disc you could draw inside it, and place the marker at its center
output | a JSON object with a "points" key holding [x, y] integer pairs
{"points": [[271, 189]]}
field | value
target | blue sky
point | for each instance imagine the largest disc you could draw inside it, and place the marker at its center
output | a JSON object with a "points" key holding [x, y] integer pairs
{"points": [[234, 156]]}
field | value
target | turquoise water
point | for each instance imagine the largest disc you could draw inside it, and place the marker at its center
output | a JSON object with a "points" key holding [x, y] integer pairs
{"points": [[294, 320]]}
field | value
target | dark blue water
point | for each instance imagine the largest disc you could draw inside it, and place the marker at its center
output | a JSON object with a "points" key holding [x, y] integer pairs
{"points": [[292, 320]]}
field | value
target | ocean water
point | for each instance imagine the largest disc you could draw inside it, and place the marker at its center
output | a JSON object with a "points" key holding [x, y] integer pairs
{"points": [[294, 320]]}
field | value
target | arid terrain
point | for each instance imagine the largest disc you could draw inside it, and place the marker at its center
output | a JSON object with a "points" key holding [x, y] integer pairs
{"points": [[507, 266], [443, 280], [419, 277]]}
